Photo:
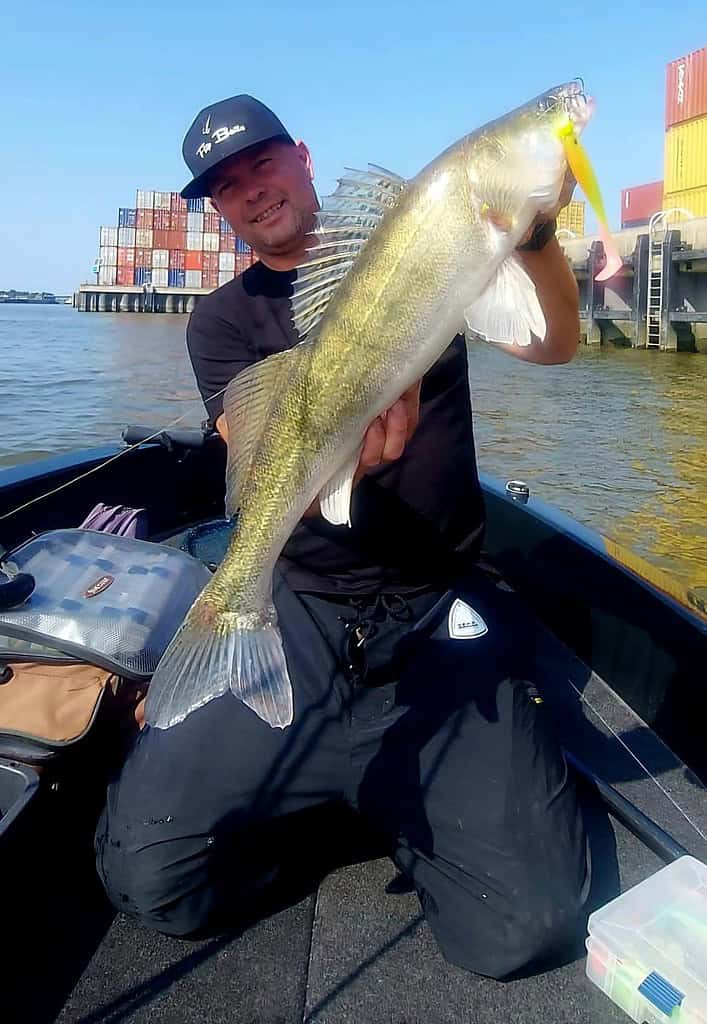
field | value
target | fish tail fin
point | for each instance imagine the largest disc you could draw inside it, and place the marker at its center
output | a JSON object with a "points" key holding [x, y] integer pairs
{"points": [[213, 653]]}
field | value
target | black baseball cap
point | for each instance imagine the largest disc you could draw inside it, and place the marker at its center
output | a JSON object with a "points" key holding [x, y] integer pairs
{"points": [[219, 131]]}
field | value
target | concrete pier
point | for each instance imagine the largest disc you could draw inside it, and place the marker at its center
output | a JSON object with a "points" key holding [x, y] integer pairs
{"points": [[617, 311], [94, 298]]}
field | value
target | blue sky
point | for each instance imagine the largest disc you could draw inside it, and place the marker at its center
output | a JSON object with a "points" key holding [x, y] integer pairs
{"points": [[98, 97]]}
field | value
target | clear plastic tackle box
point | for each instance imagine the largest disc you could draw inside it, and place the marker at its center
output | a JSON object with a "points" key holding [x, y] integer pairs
{"points": [[647, 949]]}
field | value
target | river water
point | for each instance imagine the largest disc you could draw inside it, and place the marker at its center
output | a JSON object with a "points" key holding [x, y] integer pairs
{"points": [[617, 438]]}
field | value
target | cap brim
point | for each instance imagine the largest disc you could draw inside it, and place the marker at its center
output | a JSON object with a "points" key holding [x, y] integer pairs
{"points": [[199, 186]]}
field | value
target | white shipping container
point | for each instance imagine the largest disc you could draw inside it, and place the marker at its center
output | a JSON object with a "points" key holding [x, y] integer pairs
{"points": [[162, 200], [160, 277], [107, 275], [160, 258], [109, 236], [143, 238], [126, 237], [194, 240], [195, 222], [145, 199], [211, 241], [224, 276], [192, 279], [227, 261], [109, 255]]}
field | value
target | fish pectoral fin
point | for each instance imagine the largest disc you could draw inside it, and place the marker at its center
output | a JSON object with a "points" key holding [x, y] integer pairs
{"points": [[335, 497], [248, 404], [508, 311]]}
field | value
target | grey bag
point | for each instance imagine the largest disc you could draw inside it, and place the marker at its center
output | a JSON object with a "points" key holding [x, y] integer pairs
{"points": [[108, 600]]}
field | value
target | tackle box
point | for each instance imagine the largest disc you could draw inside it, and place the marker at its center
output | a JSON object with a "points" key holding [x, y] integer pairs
{"points": [[647, 949]]}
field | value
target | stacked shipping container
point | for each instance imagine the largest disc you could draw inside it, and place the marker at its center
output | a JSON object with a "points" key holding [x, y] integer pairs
{"points": [[571, 217], [638, 204], [170, 242], [686, 133]]}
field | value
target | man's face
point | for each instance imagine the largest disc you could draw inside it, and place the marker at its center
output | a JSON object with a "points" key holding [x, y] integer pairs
{"points": [[266, 195]]}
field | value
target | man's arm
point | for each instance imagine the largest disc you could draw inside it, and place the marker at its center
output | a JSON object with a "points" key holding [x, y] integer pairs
{"points": [[557, 291], [559, 298]]}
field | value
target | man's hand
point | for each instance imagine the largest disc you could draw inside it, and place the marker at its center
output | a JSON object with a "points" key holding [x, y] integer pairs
{"points": [[385, 439]]}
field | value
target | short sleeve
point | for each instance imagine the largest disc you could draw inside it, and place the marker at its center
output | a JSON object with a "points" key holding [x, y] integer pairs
{"points": [[218, 352]]}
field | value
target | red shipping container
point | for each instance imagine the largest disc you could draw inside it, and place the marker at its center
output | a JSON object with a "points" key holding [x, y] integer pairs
{"points": [[209, 280], [212, 222], [210, 262], [161, 220], [193, 259], [125, 275], [638, 204], [176, 240], [143, 257], [144, 218], [176, 259], [160, 239], [178, 220], [227, 242], [686, 88], [126, 257], [177, 204]]}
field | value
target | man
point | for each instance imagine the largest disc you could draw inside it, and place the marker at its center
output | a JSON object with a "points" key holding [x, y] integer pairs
{"points": [[413, 685]]}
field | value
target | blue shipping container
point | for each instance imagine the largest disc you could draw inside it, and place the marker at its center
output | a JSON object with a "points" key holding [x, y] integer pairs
{"points": [[241, 246], [143, 275], [195, 205], [127, 218], [224, 227], [176, 278]]}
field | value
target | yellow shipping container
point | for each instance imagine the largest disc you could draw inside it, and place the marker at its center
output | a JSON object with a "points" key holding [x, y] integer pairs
{"points": [[686, 155], [692, 199], [572, 217]]}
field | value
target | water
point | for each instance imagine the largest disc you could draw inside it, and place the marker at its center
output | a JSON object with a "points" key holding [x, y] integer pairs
{"points": [[616, 438]]}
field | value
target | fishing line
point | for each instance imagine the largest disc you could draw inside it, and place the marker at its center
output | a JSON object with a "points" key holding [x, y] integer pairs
{"points": [[107, 462], [638, 761]]}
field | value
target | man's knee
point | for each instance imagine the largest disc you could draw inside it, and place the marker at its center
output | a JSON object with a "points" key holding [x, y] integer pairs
{"points": [[533, 933], [538, 919], [169, 893]]}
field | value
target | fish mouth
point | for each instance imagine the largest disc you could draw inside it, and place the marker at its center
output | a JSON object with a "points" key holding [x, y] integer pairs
{"points": [[578, 106]]}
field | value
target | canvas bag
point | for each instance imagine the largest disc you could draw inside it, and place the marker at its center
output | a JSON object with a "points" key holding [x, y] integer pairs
{"points": [[46, 708]]}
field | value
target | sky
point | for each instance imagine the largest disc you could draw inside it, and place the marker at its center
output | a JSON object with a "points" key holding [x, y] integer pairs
{"points": [[96, 98]]}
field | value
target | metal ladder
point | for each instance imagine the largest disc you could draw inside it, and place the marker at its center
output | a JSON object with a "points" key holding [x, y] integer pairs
{"points": [[654, 310]]}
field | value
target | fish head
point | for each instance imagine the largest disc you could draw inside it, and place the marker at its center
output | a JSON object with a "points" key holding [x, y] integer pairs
{"points": [[517, 165]]}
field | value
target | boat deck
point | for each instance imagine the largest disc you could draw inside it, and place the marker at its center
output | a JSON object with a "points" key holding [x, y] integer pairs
{"points": [[334, 946]]}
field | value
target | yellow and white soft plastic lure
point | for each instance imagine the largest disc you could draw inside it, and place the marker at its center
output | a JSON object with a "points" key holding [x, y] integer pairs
{"points": [[581, 168]]}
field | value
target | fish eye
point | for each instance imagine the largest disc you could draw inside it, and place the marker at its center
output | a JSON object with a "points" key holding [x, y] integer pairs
{"points": [[546, 103]]}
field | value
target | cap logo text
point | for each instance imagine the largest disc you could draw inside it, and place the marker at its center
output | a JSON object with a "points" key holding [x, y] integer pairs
{"points": [[218, 135], [207, 126]]}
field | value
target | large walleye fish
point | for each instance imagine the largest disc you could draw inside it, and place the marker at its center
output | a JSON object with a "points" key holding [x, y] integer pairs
{"points": [[399, 268]]}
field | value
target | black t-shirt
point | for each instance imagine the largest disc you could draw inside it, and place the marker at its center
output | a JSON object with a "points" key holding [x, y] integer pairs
{"points": [[416, 522]]}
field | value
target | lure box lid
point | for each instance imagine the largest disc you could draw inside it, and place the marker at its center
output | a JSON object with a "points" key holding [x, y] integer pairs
{"points": [[647, 949]]}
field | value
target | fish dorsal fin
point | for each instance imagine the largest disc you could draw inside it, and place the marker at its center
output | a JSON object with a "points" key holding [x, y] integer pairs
{"points": [[344, 225], [247, 404]]}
